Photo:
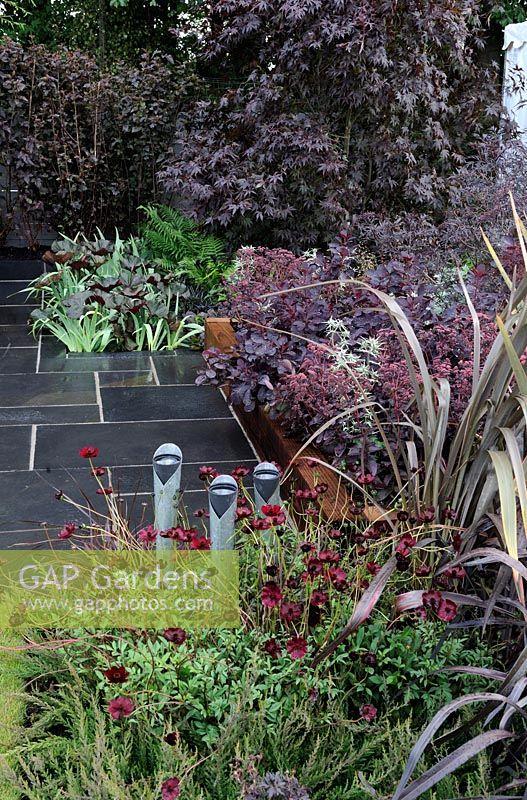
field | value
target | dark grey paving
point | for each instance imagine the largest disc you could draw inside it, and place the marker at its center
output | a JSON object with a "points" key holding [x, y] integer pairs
{"points": [[47, 390], [21, 270], [14, 360], [180, 367], [11, 293], [109, 380], [46, 415], [108, 362], [16, 336], [133, 443], [33, 502], [55, 359], [15, 446], [139, 479], [15, 315], [163, 402]]}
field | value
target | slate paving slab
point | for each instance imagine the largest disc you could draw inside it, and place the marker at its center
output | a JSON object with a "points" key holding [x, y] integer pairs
{"points": [[47, 415], [21, 270], [15, 449], [12, 294], [135, 442], [15, 336], [35, 389], [108, 380], [16, 315], [162, 402], [18, 360], [177, 368], [52, 403]]}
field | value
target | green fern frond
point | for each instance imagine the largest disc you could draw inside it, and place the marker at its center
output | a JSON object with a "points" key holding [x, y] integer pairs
{"points": [[170, 236]]}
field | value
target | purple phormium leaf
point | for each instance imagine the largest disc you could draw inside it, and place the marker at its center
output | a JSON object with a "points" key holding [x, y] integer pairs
{"points": [[362, 610], [450, 763], [433, 726]]}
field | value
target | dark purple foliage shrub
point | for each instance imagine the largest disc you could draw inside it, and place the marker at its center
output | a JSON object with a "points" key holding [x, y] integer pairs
{"points": [[285, 353], [478, 198], [82, 146], [367, 105]]}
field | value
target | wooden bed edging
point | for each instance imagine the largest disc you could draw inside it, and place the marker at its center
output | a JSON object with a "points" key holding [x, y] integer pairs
{"points": [[272, 444]]}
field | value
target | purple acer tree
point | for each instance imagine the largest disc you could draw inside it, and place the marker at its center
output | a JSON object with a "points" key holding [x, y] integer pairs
{"points": [[338, 106]]}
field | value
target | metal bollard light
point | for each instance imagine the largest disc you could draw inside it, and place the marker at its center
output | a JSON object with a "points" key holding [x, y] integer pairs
{"points": [[223, 495], [266, 479], [167, 462]]}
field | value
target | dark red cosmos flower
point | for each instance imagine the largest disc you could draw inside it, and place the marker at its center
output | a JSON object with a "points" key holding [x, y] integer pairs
{"points": [[334, 533], [423, 570], [275, 514], [402, 562], [449, 514], [67, 531], [329, 557], [361, 551], [171, 789], [240, 472], [291, 611], [172, 738], [89, 452], [403, 516], [272, 648], [364, 584], [428, 515], [271, 594], [207, 473], [175, 635], [104, 490], [296, 646], [97, 472], [373, 568], [405, 545], [116, 674], [431, 599], [271, 570], [306, 494], [368, 712], [318, 598], [338, 577], [201, 512], [445, 609], [365, 479], [200, 543], [355, 510], [179, 534], [243, 512], [314, 565], [120, 707], [369, 659], [258, 524], [457, 541], [321, 488], [271, 511], [456, 573], [148, 534], [306, 547]]}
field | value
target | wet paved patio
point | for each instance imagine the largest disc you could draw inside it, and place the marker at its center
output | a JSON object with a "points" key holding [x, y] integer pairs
{"points": [[126, 404]]}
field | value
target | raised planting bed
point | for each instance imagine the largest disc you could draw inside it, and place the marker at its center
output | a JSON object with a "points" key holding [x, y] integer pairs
{"points": [[272, 444]]}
